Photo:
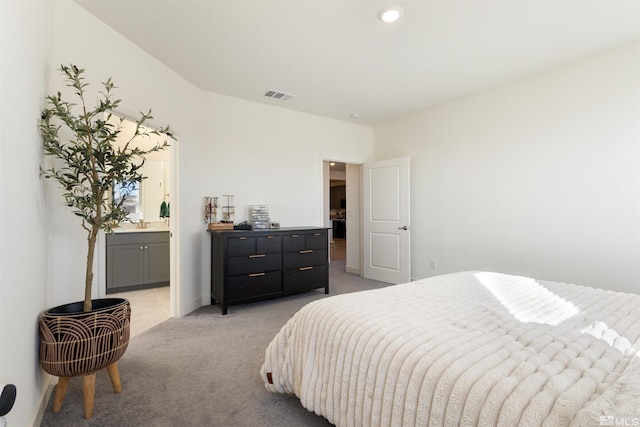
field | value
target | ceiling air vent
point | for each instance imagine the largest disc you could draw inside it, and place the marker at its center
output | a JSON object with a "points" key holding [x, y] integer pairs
{"points": [[278, 95]]}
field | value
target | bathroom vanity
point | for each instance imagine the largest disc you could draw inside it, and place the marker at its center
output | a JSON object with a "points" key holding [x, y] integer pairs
{"points": [[137, 259]]}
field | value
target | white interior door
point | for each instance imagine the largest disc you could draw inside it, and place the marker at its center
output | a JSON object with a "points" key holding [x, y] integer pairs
{"points": [[387, 226]]}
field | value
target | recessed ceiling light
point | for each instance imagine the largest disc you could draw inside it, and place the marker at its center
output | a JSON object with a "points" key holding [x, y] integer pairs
{"points": [[355, 116], [332, 164], [390, 14]]}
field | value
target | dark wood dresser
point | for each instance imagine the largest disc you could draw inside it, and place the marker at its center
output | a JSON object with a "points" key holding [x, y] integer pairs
{"points": [[251, 265]]}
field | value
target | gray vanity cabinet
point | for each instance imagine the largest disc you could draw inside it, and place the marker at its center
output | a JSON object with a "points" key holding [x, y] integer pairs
{"points": [[137, 260]]}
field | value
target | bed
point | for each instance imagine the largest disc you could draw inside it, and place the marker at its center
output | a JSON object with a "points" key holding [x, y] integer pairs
{"points": [[470, 348]]}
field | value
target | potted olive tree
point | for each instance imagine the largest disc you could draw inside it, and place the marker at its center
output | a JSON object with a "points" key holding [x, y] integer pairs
{"points": [[80, 338]]}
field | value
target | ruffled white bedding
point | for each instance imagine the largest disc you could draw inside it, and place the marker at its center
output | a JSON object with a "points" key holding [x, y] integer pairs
{"points": [[472, 348]]}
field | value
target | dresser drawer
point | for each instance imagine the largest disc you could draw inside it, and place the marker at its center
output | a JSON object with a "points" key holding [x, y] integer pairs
{"points": [[294, 242], [254, 285], [317, 241], [297, 242], [269, 244], [241, 246], [305, 278], [254, 263], [304, 258]]}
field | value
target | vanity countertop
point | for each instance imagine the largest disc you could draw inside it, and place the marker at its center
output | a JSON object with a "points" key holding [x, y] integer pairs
{"points": [[139, 230]]}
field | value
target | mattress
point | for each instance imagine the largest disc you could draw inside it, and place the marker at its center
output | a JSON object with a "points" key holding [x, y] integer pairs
{"points": [[470, 348]]}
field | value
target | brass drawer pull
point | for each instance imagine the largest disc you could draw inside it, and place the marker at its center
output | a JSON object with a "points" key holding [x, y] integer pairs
{"points": [[257, 274], [305, 268], [269, 237], [242, 238], [256, 256], [308, 251], [294, 235], [316, 234]]}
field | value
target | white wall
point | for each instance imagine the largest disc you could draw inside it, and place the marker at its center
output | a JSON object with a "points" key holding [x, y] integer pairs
{"points": [[23, 209], [539, 177]]}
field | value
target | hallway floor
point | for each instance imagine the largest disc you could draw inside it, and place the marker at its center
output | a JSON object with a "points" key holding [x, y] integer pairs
{"points": [[339, 251]]}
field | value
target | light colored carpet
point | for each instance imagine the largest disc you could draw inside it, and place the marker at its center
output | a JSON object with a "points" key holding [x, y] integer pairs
{"points": [[202, 370]]}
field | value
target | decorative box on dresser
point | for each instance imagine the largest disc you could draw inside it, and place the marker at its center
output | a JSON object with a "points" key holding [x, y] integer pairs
{"points": [[251, 265]]}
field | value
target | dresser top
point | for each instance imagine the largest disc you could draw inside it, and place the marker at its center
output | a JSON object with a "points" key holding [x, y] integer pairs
{"points": [[269, 231]]}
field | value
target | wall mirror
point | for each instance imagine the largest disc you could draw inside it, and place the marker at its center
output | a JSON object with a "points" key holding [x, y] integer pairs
{"points": [[150, 200]]}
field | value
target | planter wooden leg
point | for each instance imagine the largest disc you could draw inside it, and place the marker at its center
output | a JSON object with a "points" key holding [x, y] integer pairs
{"points": [[89, 394], [115, 377], [61, 389]]}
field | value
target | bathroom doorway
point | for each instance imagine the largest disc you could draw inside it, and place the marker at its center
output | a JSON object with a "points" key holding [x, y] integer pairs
{"points": [[150, 286]]}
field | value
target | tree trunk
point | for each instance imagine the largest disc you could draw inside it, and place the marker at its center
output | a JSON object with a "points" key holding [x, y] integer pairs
{"points": [[91, 247]]}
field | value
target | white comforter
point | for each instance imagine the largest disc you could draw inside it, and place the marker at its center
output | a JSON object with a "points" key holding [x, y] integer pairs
{"points": [[466, 349]]}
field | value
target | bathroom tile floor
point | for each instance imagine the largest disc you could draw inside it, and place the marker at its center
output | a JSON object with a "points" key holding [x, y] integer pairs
{"points": [[148, 307]]}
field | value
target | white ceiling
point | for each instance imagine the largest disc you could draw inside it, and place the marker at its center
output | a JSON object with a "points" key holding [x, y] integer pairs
{"points": [[337, 58]]}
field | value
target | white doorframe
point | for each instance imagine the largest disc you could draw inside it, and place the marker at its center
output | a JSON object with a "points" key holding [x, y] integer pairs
{"points": [[175, 248]]}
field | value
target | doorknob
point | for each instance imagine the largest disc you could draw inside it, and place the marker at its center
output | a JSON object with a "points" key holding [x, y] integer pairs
{"points": [[403, 228]]}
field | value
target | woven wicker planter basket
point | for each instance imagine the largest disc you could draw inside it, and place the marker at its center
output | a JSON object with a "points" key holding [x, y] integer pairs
{"points": [[74, 343]]}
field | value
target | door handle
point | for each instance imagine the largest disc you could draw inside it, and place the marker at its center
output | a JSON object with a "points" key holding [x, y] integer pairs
{"points": [[403, 228]]}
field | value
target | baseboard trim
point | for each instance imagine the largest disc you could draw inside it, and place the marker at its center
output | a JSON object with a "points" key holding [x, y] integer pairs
{"points": [[352, 269], [192, 305], [44, 400]]}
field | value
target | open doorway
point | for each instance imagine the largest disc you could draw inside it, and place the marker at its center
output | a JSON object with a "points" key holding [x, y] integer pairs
{"points": [[342, 204], [137, 260]]}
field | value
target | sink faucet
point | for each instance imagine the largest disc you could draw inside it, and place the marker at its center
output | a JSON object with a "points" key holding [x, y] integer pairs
{"points": [[141, 223]]}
